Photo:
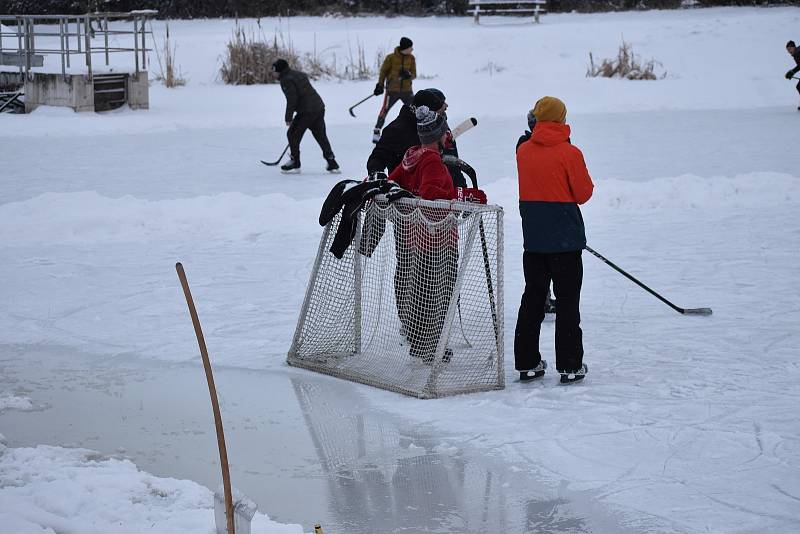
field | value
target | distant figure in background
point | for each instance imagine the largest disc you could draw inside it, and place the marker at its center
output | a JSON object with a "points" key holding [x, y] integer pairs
{"points": [[398, 70], [795, 53], [305, 110]]}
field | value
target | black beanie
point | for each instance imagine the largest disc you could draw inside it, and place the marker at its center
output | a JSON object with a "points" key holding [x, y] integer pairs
{"points": [[405, 42], [791, 43], [433, 98], [280, 65]]}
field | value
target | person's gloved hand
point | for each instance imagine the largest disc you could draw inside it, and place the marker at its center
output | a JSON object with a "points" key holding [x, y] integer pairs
{"points": [[470, 194], [789, 75], [378, 89], [405, 74], [375, 176]]}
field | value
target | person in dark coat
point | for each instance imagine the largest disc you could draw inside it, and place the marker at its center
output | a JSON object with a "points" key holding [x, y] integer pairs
{"points": [[401, 134], [549, 301], [795, 53], [305, 110], [553, 181]]}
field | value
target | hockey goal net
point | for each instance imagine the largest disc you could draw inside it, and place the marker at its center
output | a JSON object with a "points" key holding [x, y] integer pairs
{"points": [[414, 305]]}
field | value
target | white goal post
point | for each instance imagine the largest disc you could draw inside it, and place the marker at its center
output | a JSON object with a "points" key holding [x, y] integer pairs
{"points": [[414, 305]]}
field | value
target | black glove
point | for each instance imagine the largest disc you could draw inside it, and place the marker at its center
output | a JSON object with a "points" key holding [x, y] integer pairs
{"points": [[396, 192], [405, 74], [378, 89], [789, 75], [377, 175]]}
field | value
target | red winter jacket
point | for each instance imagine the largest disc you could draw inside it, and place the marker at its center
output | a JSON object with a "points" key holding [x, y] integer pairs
{"points": [[423, 174]]}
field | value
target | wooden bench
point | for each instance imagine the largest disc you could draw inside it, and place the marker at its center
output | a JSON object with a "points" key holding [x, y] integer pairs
{"points": [[537, 7]]}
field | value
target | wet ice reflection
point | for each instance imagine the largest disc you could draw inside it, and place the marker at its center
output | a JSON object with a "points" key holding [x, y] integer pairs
{"points": [[384, 476], [307, 448]]}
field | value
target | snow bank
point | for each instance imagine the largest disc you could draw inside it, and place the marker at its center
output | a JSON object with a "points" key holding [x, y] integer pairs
{"points": [[87, 217], [9, 401], [53, 489]]}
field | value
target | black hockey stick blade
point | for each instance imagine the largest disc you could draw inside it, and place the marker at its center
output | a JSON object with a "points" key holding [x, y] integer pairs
{"points": [[696, 311], [273, 163], [465, 167]]}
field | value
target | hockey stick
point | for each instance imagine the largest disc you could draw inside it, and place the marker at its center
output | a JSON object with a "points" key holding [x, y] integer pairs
{"points": [[473, 176], [354, 106], [273, 163], [464, 127], [683, 311], [223, 452]]}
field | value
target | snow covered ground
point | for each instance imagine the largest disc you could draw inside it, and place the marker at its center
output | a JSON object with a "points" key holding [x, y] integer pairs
{"points": [[685, 424]]}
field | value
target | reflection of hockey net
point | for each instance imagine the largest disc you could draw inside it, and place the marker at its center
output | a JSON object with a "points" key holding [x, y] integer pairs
{"points": [[414, 306]]}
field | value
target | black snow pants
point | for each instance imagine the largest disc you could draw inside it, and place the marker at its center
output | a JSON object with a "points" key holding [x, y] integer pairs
{"points": [[309, 121], [391, 98], [423, 292], [565, 269]]}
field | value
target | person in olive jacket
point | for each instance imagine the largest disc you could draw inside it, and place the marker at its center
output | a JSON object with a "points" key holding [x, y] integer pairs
{"points": [[305, 110], [398, 70]]}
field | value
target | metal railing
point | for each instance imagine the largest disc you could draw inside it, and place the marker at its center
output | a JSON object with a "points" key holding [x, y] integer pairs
{"points": [[77, 35]]}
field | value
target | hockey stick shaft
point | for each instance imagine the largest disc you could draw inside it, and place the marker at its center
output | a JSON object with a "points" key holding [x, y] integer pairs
{"points": [[684, 311], [212, 390], [273, 163], [473, 176], [354, 106]]}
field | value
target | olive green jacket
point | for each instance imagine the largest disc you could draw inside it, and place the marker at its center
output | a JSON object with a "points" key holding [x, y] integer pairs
{"points": [[391, 68]]}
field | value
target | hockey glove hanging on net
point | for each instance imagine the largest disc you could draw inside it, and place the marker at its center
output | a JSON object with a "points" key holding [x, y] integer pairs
{"points": [[470, 194]]}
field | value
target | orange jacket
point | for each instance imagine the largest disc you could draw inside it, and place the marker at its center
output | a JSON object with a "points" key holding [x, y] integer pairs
{"points": [[553, 180]]}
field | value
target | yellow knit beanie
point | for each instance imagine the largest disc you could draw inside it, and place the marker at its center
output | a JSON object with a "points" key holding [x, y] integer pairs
{"points": [[550, 108]]}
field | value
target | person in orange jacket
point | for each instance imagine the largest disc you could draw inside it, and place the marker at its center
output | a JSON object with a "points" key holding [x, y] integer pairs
{"points": [[553, 181]]}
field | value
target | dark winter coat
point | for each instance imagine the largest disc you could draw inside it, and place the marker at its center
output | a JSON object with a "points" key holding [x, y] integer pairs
{"points": [[398, 136], [300, 96], [392, 67], [796, 57], [553, 180], [522, 138]]}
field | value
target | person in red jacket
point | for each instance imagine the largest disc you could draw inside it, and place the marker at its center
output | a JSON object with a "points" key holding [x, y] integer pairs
{"points": [[427, 257], [553, 181]]}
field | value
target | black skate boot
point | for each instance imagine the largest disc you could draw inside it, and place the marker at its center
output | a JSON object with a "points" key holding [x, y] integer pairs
{"points": [[550, 305], [568, 377], [536, 372], [291, 167], [332, 167]]}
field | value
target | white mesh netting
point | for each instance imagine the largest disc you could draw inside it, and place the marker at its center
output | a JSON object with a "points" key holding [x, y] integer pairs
{"points": [[414, 305]]}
